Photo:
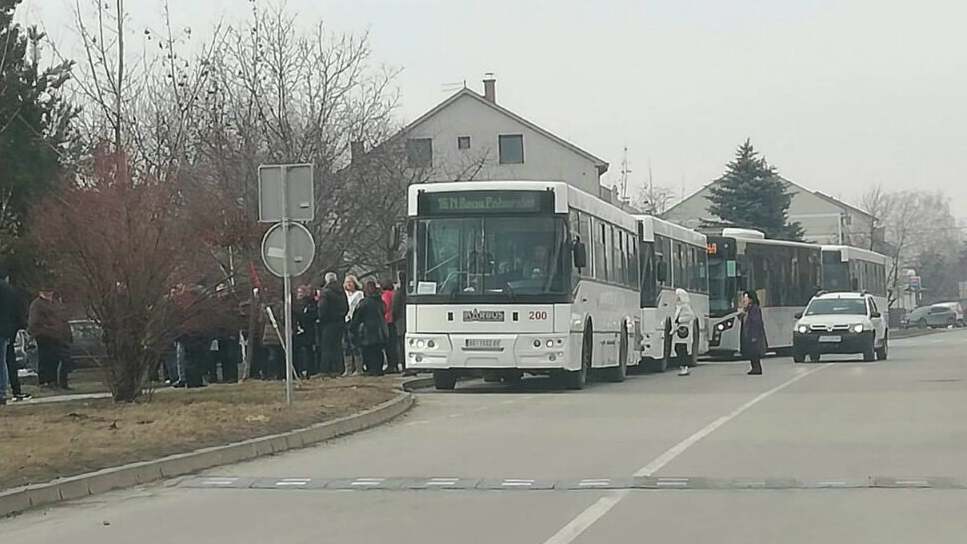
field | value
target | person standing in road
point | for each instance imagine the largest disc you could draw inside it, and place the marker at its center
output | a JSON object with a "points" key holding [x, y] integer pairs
{"points": [[684, 317], [47, 324], [353, 359], [333, 308], [753, 341], [369, 326], [391, 348]]}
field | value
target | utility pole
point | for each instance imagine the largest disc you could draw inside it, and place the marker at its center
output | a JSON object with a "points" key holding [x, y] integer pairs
{"points": [[625, 170]]}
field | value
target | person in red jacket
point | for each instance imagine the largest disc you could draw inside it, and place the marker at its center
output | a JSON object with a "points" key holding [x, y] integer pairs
{"points": [[391, 348]]}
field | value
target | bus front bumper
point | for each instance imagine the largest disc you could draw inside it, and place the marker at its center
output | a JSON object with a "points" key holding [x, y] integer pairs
{"points": [[488, 351]]}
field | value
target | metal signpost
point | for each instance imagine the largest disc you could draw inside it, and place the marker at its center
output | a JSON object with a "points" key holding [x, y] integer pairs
{"points": [[285, 195]]}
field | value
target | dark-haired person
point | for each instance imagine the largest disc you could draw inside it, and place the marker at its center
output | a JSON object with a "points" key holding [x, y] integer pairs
{"points": [[753, 342], [369, 328], [47, 324]]}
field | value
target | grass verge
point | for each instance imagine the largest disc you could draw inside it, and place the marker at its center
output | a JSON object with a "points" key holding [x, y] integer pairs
{"points": [[43, 442]]}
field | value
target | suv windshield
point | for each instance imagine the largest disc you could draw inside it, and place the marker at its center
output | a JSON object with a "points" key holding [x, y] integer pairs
{"points": [[837, 306], [475, 256]]}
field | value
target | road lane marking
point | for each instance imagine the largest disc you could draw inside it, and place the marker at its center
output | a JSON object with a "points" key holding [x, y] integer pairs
{"points": [[602, 506]]}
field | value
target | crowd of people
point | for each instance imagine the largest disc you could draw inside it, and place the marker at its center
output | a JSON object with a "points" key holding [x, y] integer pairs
{"points": [[343, 328]]}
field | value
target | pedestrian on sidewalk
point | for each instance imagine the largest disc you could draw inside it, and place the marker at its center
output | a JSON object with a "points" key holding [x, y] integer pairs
{"points": [[369, 326], [684, 317], [47, 324], [399, 321], [353, 358], [306, 319], [18, 306], [333, 308], [753, 342], [9, 322], [390, 348]]}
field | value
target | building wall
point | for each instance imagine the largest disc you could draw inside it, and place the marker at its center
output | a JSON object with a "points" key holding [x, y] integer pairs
{"points": [[823, 221], [544, 158]]}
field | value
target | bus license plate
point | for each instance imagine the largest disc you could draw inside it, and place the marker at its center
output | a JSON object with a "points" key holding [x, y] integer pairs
{"points": [[483, 344], [831, 339]]}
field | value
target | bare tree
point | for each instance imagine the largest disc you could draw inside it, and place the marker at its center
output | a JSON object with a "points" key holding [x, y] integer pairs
{"points": [[878, 203], [654, 199]]}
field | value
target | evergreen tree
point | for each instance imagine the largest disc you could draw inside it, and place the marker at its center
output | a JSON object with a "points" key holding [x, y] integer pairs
{"points": [[35, 126], [752, 195]]}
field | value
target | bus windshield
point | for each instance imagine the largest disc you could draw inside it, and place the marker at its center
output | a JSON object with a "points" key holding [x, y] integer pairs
{"points": [[491, 255]]}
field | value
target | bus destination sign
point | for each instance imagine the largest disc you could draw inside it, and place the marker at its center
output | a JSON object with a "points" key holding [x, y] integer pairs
{"points": [[487, 202]]}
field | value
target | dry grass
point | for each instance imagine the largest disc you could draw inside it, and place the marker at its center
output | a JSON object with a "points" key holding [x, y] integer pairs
{"points": [[43, 442]]}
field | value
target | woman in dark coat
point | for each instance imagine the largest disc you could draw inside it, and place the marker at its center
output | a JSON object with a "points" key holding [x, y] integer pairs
{"points": [[369, 325], [753, 342]]}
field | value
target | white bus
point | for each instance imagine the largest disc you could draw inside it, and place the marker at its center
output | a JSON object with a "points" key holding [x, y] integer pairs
{"points": [[672, 257], [784, 274], [848, 268], [514, 277]]}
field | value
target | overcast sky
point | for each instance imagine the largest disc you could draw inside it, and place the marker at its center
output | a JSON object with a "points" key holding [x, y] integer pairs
{"points": [[838, 94]]}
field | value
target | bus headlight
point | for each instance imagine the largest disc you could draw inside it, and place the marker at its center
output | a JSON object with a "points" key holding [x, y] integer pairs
{"points": [[682, 332], [430, 344], [420, 344], [858, 328], [550, 343], [537, 343], [726, 325]]}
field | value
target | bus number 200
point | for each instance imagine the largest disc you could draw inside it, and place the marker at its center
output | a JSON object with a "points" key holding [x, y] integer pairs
{"points": [[537, 316]]}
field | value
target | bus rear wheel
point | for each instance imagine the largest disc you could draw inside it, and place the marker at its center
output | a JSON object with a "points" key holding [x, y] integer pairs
{"points": [[444, 380], [577, 379], [618, 373]]}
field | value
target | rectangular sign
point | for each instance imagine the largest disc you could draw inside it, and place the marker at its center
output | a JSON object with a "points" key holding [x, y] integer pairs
{"points": [[484, 202], [297, 182], [489, 316]]}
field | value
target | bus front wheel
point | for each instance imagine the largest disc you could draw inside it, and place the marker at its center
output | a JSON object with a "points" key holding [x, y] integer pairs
{"points": [[444, 380]]}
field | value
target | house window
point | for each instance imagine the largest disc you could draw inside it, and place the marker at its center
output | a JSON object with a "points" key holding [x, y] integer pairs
{"points": [[463, 142], [511, 148], [419, 152]]}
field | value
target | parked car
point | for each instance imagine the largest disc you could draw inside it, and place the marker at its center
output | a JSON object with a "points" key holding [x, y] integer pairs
{"points": [[958, 310], [25, 354], [842, 323], [87, 347], [932, 316]]}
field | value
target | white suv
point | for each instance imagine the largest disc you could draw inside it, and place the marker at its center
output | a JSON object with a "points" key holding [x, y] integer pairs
{"points": [[840, 323]]}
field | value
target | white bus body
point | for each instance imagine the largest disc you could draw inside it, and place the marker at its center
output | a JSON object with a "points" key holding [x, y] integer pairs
{"points": [[672, 257], [493, 286], [847, 268], [784, 274]]}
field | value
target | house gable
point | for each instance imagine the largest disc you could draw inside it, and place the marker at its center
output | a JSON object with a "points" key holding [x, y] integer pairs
{"points": [[469, 115]]}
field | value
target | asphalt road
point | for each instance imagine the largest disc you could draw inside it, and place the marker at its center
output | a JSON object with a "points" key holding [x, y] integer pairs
{"points": [[827, 452]]}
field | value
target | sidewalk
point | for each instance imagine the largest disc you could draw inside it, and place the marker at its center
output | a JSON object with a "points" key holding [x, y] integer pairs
{"points": [[166, 389]]}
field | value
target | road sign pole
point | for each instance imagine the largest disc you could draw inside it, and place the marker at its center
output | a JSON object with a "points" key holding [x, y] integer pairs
{"points": [[287, 286]]}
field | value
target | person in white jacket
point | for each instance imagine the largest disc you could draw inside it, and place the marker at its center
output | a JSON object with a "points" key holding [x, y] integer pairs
{"points": [[354, 294], [684, 317]]}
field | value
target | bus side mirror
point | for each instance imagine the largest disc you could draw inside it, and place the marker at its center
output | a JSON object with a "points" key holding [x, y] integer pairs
{"points": [[661, 271], [580, 254]]}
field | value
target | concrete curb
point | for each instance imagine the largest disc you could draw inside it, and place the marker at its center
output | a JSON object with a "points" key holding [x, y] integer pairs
{"points": [[17, 500]]}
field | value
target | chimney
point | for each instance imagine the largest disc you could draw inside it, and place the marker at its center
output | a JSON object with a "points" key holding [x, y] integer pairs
{"points": [[490, 88], [355, 151]]}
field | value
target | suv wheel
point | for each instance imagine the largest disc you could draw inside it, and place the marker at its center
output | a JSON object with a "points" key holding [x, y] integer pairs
{"points": [[883, 351], [869, 354]]}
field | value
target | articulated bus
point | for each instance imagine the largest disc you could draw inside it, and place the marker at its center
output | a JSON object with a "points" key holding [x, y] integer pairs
{"points": [[514, 277], [672, 257], [784, 274], [848, 268]]}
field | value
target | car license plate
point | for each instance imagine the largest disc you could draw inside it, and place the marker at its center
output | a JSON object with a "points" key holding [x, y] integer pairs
{"points": [[483, 344], [831, 339]]}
